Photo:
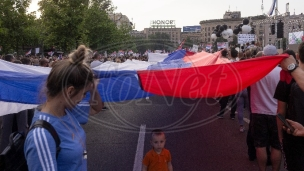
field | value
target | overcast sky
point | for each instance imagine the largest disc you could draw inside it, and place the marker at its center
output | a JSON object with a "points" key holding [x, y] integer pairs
{"points": [[191, 12]]}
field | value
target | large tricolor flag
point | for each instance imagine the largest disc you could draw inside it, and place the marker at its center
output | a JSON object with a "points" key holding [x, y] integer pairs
{"points": [[180, 74]]}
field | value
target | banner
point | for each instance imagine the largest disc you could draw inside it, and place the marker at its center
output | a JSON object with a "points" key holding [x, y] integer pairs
{"points": [[194, 48], [222, 45], [296, 37], [208, 46], [245, 38], [37, 50]]}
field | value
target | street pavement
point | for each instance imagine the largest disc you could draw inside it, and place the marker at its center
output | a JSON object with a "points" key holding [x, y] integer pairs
{"points": [[196, 138]]}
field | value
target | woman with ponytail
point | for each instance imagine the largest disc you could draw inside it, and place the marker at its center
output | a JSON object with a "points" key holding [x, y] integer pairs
{"points": [[67, 84]]}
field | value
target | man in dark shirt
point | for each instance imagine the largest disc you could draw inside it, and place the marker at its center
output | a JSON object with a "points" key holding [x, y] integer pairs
{"points": [[291, 105]]}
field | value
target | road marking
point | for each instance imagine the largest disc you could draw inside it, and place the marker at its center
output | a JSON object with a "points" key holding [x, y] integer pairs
{"points": [[140, 149]]}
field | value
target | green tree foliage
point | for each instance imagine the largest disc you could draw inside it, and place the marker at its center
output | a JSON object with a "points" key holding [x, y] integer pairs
{"points": [[63, 22], [141, 44], [160, 41], [14, 25], [98, 28], [188, 43], [104, 5], [68, 23]]}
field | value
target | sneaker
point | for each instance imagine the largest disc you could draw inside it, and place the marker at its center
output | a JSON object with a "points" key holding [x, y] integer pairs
{"points": [[242, 129], [220, 116], [104, 108]]}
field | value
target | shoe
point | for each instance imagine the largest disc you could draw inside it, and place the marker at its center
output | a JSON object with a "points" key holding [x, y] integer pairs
{"points": [[232, 118], [220, 116], [104, 108], [242, 129]]}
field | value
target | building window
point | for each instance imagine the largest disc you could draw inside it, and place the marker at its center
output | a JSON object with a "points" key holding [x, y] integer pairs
{"points": [[208, 39], [229, 27]]}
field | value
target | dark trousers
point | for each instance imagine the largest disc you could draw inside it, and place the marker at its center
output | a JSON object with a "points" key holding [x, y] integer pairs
{"points": [[223, 103], [233, 105], [250, 143]]}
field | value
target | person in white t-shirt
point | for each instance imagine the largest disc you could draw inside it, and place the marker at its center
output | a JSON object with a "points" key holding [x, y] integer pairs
{"points": [[96, 60], [263, 124]]}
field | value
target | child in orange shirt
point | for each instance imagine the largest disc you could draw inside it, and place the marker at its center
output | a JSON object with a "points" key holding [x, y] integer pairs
{"points": [[158, 158]]}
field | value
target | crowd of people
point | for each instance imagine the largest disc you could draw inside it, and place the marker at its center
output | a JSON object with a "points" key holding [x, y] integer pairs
{"points": [[268, 139], [49, 61], [280, 92]]}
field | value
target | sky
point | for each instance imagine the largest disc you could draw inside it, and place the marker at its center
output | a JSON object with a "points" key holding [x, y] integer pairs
{"points": [[191, 12]]}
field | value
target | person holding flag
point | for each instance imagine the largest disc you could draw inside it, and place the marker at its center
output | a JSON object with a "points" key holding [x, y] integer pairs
{"points": [[50, 53], [28, 53]]}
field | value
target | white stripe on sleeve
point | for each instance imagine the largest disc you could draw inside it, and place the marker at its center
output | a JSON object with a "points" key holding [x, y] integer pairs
{"points": [[43, 149], [38, 148], [47, 147]]}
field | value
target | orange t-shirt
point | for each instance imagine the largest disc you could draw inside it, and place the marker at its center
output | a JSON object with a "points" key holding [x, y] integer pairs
{"points": [[157, 162]]}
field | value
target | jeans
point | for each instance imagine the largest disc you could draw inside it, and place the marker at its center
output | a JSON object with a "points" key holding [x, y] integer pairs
{"points": [[242, 100]]}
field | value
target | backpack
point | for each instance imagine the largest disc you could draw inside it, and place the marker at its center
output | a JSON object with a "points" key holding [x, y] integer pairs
{"points": [[12, 158]]}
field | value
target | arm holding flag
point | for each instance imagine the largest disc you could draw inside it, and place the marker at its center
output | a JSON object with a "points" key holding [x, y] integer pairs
{"points": [[297, 74]]}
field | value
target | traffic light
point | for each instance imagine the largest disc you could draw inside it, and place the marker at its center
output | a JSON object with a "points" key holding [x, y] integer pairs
{"points": [[272, 28], [280, 30]]}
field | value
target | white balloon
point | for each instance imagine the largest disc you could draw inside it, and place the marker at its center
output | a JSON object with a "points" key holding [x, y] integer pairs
{"points": [[225, 34], [213, 36], [246, 29], [230, 32]]}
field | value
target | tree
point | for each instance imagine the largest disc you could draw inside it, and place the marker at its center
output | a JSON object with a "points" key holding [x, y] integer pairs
{"points": [[104, 5], [188, 43], [68, 23], [63, 22], [98, 28], [141, 44], [14, 22], [160, 41]]}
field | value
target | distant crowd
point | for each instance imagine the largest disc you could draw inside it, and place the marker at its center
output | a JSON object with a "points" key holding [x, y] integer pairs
{"points": [[49, 61]]}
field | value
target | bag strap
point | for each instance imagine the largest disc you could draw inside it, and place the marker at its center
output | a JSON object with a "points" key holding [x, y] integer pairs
{"points": [[50, 128]]}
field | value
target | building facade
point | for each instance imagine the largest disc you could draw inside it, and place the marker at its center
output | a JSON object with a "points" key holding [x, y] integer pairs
{"points": [[261, 24], [138, 34], [292, 23], [164, 26], [232, 20], [120, 20], [195, 37]]}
